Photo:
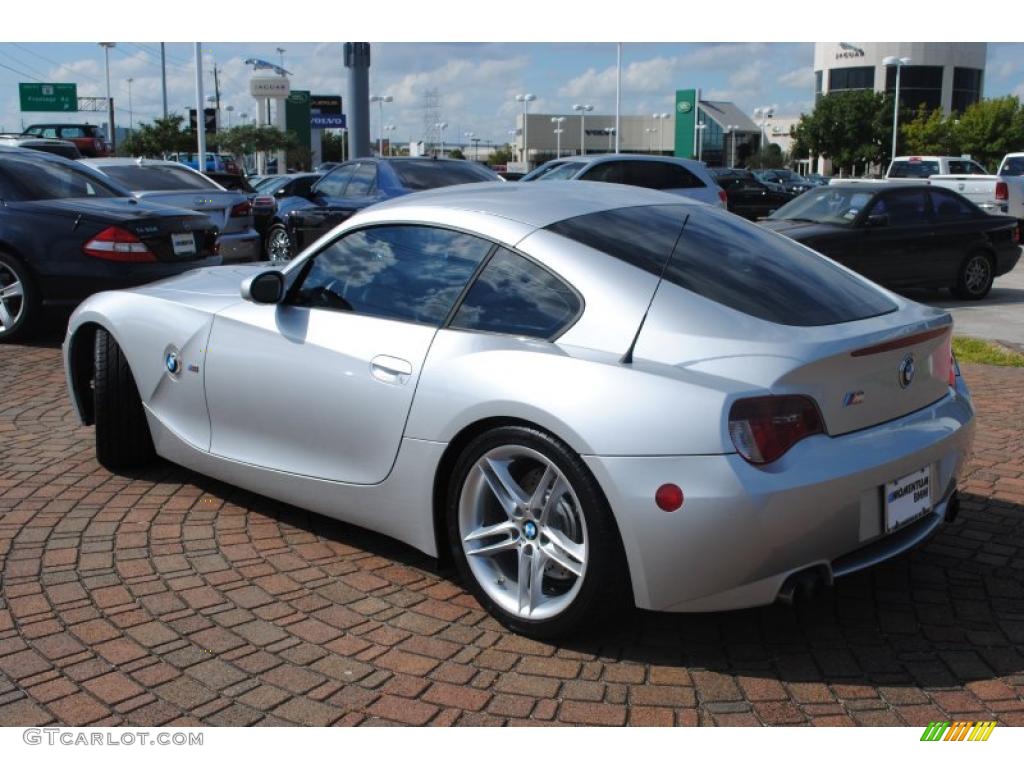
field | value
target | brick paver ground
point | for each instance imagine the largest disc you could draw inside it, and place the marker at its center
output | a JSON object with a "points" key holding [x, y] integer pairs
{"points": [[169, 598]]}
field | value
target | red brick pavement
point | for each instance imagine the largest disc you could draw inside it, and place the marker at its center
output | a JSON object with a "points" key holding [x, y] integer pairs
{"points": [[172, 599]]}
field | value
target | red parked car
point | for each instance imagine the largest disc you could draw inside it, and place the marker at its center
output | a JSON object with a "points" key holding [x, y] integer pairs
{"points": [[87, 138]]}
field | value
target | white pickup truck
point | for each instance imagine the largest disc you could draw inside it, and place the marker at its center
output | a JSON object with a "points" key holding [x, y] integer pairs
{"points": [[998, 195]]}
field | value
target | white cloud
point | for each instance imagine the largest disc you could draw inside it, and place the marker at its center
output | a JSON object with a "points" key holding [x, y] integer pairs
{"points": [[802, 77]]}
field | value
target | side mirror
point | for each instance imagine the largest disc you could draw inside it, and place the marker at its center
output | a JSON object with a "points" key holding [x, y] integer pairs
{"points": [[877, 220], [264, 288]]}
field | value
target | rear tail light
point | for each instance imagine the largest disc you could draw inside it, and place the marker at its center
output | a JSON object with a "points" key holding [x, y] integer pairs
{"points": [[261, 201], [1002, 191], [722, 197], [242, 209], [764, 428], [116, 244]]}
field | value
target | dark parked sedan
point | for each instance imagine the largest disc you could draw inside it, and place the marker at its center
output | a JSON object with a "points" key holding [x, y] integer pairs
{"points": [[746, 195], [904, 236], [357, 184], [67, 231]]}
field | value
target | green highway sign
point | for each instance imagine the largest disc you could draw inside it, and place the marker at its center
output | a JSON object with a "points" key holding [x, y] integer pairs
{"points": [[48, 97]]}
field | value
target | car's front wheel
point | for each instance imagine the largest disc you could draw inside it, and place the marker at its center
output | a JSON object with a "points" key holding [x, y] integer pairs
{"points": [[123, 440], [975, 278], [531, 533], [279, 244]]}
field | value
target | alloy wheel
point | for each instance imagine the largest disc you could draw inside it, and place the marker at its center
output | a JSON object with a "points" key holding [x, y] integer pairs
{"points": [[976, 274], [523, 531], [12, 298], [279, 248]]}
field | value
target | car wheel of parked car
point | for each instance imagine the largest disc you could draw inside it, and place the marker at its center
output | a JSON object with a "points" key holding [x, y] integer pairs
{"points": [[19, 301], [975, 278], [279, 244], [123, 440], [532, 534]]}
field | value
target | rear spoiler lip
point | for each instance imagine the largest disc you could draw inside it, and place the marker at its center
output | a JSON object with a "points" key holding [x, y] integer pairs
{"points": [[903, 341]]}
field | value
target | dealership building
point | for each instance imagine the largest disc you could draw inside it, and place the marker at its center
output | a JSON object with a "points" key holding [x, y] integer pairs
{"points": [[949, 76]]}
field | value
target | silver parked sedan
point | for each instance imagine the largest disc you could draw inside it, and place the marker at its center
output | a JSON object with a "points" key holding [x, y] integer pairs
{"points": [[579, 391]]}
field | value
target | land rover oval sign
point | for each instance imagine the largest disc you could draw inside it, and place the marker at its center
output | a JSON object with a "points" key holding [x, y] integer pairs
{"points": [[684, 106]]}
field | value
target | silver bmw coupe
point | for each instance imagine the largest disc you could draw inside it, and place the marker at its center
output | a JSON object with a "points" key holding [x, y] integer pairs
{"points": [[580, 392]]}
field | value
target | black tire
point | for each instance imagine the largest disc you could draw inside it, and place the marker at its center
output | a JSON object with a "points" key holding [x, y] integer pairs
{"points": [[123, 440], [605, 589], [974, 280], [277, 231], [24, 311]]}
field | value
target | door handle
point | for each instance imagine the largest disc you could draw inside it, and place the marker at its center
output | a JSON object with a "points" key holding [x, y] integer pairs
{"points": [[390, 370]]}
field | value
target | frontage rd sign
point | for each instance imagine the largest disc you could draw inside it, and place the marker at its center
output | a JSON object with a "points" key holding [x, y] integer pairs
{"points": [[48, 97]]}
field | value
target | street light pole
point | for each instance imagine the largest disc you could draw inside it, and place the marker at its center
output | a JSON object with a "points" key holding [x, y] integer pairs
{"points": [[380, 101], [110, 104], [525, 99], [899, 63], [731, 130], [583, 109], [700, 140], [610, 132], [557, 121], [469, 135], [200, 115], [440, 128], [618, 90]]}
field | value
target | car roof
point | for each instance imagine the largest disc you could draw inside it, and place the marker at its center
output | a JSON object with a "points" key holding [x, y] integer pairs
{"points": [[99, 162], [532, 205]]}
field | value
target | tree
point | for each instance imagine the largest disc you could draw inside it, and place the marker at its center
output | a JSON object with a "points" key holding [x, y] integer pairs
{"points": [[990, 128], [163, 135], [771, 157], [847, 127], [930, 133], [247, 139], [456, 154], [499, 156], [332, 147]]}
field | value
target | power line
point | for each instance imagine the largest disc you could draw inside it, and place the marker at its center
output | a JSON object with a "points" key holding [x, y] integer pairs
{"points": [[23, 74], [39, 55]]}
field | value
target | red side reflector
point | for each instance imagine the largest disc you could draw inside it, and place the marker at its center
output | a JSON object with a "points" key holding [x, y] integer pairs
{"points": [[116, 244], [669, 497], [906, 341]]}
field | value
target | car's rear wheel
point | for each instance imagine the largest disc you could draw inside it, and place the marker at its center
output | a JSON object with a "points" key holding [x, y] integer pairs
{"points": [[975, 278], [532, 534], [123, 440], [19, 300], [279, 244]]}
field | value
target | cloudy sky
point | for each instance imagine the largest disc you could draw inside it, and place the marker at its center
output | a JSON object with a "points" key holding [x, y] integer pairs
{"points": [[476, 81]]}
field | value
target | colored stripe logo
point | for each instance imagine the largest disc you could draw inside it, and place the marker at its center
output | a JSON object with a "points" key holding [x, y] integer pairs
{"points": [[959, 730]]}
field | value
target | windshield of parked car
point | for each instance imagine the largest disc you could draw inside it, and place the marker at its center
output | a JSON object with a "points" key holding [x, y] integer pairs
{"points": [[152, 178], [564, 171], [542, 170], [826, 205], [270, 184], [913, 169], [40, 179], [1014, 166], [796, 178], [431, 174]]}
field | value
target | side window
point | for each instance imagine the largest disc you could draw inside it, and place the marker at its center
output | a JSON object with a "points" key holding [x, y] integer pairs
{"points": [[950, 207], [333, 184], [652, 175], [72, 132], [966, 168], [515, 296], [301, 187], [409, 273], [613, 173], [49, 133], [363, 181], [679, 177], [905, 207]]}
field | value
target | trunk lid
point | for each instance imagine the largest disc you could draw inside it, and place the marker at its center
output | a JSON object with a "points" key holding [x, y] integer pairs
{"points": [[980, 190], [215, 203]]}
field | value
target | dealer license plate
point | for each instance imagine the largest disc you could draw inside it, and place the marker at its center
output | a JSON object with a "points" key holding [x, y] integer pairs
{"points": [[184, 244], [907, 497]]}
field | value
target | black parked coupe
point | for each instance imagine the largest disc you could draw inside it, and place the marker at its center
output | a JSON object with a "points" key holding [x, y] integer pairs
{"points": [[67, 231], [904, 236]]}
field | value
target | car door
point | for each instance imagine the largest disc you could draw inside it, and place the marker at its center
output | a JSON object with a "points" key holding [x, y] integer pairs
{"points": [[327, 207], [955, 231], [897, 237], [321, 384]]}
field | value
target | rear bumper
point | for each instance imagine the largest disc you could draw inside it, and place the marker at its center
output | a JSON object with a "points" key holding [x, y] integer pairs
{"points": [[1006, 261], [240, 246], [68, 283], [743, 530]]}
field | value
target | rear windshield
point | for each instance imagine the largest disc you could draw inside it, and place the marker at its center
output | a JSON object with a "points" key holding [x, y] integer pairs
{"points": [[70, 151], [1014, 166], [431, 174], [730, 261], [913, 169], [150, 178], [564, 171], [51, 180]]}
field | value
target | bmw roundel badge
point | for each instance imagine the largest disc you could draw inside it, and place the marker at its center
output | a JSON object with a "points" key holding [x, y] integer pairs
{"points": [[171, 361], [906, 371]]}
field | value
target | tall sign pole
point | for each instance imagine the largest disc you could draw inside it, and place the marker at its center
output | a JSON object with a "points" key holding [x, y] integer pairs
{"points": [[357, 62], [200, 112], [163, 76], [110, 103], [618, 91]]}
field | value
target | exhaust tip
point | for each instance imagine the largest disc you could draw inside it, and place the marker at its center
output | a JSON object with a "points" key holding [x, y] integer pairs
{"points": [[953, 507], [802, 585]]}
